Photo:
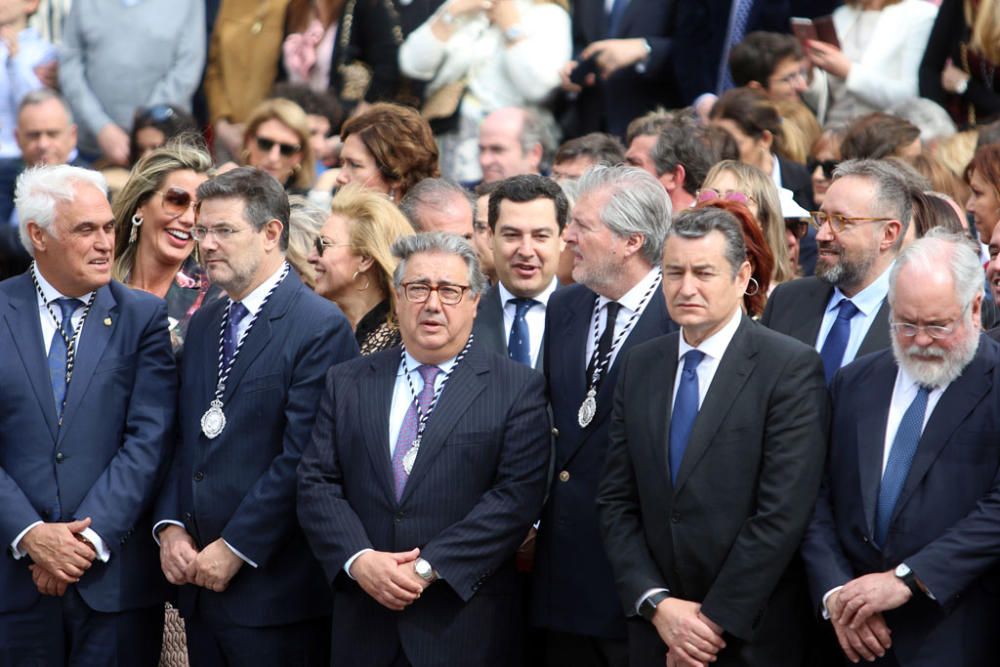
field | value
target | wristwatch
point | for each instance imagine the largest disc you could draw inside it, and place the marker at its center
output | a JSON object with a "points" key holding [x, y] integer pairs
{"points": [[647, 608], [905, 574], [424, 570], [962, 86]]}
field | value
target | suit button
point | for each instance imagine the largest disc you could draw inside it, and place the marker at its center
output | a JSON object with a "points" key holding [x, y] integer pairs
{"points": [[60, 457], [564, 476], [198, 476], [675, 517], [398, 518], [555, 432], [864, 538], [188, 516]]}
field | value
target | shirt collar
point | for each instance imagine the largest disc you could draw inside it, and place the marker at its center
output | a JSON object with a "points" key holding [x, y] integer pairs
{"points": [[50, 293], [715, 345], [542, 297], [632, 298], [776, 170], [255, 299], [906, 382], [868, 300], [412, 364]]}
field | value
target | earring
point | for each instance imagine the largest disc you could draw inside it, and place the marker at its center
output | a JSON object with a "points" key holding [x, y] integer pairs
{"points": [[134, 231], [368, 281], [756, 287]]}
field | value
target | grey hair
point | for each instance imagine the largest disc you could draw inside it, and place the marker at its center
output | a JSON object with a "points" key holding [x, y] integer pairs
{"points": [[305, 220], [892, 189], [40, 189], [937, 248], [930, 117], [435, 194], [638, 205], [696, 223], [44, 95], [445, 243], [264, 199], [539, 127]]}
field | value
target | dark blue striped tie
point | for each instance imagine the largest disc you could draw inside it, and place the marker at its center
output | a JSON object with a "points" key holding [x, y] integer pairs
{"points": [[58, 351]]}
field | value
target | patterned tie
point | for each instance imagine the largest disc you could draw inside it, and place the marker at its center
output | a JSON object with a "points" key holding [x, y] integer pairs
{"points": [[904, 446], [411, 422], [615, 17], [836, 340], [231, 339], [685, 410], [519, 342], [58, 350], [740, 18], [607, 338]]}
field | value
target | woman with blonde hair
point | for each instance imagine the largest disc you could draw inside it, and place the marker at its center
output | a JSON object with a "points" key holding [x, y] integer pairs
{"points": [[354, 265], [276, 140]]}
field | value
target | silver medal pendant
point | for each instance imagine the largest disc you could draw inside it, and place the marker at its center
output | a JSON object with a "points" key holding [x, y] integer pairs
{"points": [[587, 410], [214, 420], [410, 457]]}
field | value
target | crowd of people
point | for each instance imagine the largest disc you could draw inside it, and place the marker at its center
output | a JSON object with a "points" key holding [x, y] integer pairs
{"points": [[499, 332]]}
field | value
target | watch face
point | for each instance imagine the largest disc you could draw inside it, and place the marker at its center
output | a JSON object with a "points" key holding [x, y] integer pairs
{"points": [[902, 570], [423, 568]]}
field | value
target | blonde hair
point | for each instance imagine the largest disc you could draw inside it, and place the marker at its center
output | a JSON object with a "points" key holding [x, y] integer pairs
{"points": [[374, 223], [799, 129], [984, 22], [759, 185], [955, 152], [292, 116]]}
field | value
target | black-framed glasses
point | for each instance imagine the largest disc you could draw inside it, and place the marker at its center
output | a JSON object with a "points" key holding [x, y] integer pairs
{"points": [[420, 292], [176, 201], [838, 222], [286, 150], [797, 226], [321, 243], [827, 165]]}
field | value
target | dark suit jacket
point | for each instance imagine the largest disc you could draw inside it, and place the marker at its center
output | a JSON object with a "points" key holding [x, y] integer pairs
{"points": [[946, 523], [726, 534], [108, 458], [573, 588], [489, 328], [475, 489], [796, 309], [240, 486]]}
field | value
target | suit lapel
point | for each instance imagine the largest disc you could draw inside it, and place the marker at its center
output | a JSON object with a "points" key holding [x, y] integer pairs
{"points": [[374, 401], [26, 330], [661, 391], [807, 327], [90, 349], [490, 316], [871, 437], [877, 336], [574, 326]]}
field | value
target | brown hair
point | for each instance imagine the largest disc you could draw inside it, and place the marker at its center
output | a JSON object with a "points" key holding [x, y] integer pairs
{"points": [[986, 162], [800, 130], [753, 112], [941, 178], [292, 116], [877, 136]]}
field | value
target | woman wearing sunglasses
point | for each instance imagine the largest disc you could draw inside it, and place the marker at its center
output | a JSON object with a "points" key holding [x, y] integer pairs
{"points": [[354, 266], [276, 140], [823, 158], [154, 214]]}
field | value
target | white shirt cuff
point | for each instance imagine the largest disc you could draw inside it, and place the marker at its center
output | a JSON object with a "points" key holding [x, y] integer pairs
{"points": [[15, 546], [350, 562], [160, 525], [103, 554], [651, 591], [826, 596], [242, 557]]}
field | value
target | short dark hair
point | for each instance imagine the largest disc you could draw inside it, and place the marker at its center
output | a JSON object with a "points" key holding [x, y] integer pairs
{"points": [[600, 147], [313, 103], [758, 55], [697, 223], [752, 111], [687, 145], [525, 188], [876, 136], [648, 124], [171, 120], [263, 197]]}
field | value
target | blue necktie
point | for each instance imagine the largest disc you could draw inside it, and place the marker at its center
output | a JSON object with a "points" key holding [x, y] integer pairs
{"points": [[836, 341], [519, 341], [58, 350], [685, 410], [740, 17], [615, 17], [904, 446], [231, 339]]}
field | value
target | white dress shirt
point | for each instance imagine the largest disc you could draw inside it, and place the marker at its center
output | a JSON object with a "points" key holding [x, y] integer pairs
{"points": [[868, 301], [630, 303], [535, 317]]}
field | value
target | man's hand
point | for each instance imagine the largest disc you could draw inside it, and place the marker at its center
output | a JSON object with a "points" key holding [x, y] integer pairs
{"points": [[384, 576], [614, 54], [692, 639], [177, 552], [55, 547], [867, 595], [214, 567], [45, 582], [869, 641], [568, 85], [114, 143], [828, 57]]}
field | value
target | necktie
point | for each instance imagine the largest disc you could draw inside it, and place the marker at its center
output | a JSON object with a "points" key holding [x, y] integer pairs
{"points": [[231, 339], [737, 31], [904, 446], [836, 340], [685, 410], [519, 341], [607, 338], [615, 17], [58, 351], [411, 423]]}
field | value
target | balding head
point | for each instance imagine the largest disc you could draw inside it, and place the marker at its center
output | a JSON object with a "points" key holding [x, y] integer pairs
{"points": [[509, 144]]}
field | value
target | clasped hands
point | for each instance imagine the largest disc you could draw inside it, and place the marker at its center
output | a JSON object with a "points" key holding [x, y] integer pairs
{"points": [[59, 553], [610, 55], [213, 567], [692, 639], [856, 613], [389, 578]]}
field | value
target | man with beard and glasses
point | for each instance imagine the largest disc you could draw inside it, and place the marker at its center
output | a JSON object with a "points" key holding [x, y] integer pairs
{"points": [[903, 548], [859, 231]]}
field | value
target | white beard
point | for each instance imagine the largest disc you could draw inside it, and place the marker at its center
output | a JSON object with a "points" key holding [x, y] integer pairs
{"points": [[946, 366]]}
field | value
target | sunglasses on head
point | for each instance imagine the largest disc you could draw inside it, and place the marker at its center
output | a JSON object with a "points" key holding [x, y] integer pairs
{"points": [[176, 201], [827, 165], [709, 194], [287, 150]]}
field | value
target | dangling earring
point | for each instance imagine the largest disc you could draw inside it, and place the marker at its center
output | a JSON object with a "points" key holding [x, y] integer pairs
{"points": [[134, 232], [368, 281], [756, 287]]}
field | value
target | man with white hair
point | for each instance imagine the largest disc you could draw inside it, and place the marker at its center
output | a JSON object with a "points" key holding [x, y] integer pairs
{"points": [[904, 543], [88, 394]]}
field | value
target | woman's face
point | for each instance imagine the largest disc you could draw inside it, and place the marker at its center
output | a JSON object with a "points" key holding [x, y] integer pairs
{"points": [[275, 148], [983, 205], [820, 180], [725, 183], [357, 165], [335, 268], [147, 140], [167, 218]]}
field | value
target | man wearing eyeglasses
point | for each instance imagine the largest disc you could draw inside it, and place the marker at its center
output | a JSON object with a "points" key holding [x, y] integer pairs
{"points": [[426, 469], [904, 544], [859, 230], [251, 593]]}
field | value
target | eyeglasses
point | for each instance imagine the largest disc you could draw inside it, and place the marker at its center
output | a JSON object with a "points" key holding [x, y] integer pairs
{"points": [[176, 201], [827, 165], [222, 233], [420, 292], [321, 243], [838, 223], [935, 331], [287, 150], [797, 227], [708, 194]]}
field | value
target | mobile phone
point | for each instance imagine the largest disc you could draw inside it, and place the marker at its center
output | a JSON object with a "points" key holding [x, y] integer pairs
{"points": [[804, 30], [582, 69], [826, 31]]}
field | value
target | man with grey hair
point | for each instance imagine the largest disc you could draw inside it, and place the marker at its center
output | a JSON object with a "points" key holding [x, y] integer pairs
{"points": [[426, 469], [88, 395], [615, 233], [515, 141], [702, 509], [439, 205], [903, 546], [859, 230]]}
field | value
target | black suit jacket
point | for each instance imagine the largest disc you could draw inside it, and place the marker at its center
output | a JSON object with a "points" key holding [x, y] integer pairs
{"points": [[476, 487], [489, 327], [726, 534], [946, 523], [573, 588], [796, 309]]}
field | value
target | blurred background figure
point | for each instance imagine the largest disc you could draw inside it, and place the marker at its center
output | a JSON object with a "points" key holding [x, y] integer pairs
{"points": [[576, 156], [276, 140], [153, 127], [305, 221], [983, 177]]}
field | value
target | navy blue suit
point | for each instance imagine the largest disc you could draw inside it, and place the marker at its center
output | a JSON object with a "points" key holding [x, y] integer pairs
{"points": [[105, 462], [240, 486], [476, 487], [946, 523], [574, 588]]}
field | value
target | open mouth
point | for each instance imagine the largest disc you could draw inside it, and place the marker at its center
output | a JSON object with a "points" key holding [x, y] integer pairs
{"points": [[179, 234]]}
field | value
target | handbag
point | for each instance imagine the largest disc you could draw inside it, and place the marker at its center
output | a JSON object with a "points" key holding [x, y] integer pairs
{"points": [[445, 101], [356, 75]]}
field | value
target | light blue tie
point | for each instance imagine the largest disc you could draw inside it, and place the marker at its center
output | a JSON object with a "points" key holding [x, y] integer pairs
{"points": [[685, 410], [904, 446], [519, 341], [836, 340], [58, 351]]}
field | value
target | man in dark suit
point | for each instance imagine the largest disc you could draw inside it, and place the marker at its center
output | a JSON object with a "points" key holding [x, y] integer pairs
{"points": [[526, 218], [253, 368], [615, 234], [842, 310], [88, 394], [904, 539], [716, 449], [417, 529]]}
